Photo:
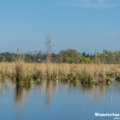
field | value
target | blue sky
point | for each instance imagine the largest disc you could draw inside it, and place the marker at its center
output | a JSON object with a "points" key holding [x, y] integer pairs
{"points": [[84, 25]]}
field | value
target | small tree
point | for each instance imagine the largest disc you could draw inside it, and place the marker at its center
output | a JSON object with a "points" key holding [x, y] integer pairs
{"points": [[48, 50]]}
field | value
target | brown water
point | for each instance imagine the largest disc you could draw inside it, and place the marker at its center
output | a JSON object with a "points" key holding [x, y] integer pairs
{"points": [[50, 100]]}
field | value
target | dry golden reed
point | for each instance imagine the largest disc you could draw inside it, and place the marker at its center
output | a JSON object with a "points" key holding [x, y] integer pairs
{"points": [[41, 70]]}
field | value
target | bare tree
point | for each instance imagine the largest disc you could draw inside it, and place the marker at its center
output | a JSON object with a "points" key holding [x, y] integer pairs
{"points": [[48, 50]]}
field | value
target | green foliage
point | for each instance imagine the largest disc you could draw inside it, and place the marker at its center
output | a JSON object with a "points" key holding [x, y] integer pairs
{"points": [[69, 77], [83, 75], [75, 77], [108, 79], [69, 56], [4, 74], [64, 80], [91, 78], [72, 56], [112, 75], [118, 78], [26, 79]]}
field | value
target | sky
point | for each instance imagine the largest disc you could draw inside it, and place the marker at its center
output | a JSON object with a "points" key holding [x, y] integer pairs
{"points": [[84, 25]]}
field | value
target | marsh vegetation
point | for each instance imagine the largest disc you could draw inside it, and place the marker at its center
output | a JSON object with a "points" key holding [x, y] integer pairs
{"points": [[70, 67], [21, 72]]}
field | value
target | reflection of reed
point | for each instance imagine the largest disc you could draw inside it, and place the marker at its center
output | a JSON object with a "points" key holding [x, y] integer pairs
{"points": [[64, 86], [18, 99], [19, 96], [55, 85], [41, 86], [102, 91], [2, 89], [48, 90], [47, 86], [4, 86], [96, 92]]}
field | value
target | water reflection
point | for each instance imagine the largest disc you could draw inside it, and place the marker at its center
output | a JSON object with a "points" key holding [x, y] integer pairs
{"points": [[2, 89], [5, 86], [94, 92], [20, 91], [48, 88], [48, 91], [18, 99]]}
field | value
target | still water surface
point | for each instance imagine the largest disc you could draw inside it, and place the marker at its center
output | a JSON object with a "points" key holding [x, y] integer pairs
{"points": [[58, 101]]}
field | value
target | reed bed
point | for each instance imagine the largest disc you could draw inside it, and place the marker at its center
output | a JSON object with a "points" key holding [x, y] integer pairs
{"points": [[26, 72]]}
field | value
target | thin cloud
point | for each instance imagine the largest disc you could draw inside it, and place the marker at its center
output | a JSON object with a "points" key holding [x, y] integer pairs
{"points": [[93, 3], [115, 33]]}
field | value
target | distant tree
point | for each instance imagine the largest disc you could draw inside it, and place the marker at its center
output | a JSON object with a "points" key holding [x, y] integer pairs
{"points": [[84, 54], [88, 55], [71, 56], [104, 55]]}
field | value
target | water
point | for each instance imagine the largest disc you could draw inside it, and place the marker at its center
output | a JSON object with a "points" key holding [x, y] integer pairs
{"points": [[58, 101]]}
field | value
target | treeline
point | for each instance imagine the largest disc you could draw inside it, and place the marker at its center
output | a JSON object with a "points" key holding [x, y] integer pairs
{"points": [[69, 56]]}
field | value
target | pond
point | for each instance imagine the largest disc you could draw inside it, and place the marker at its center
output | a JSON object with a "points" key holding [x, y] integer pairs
{"points": [[51, 100]]}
